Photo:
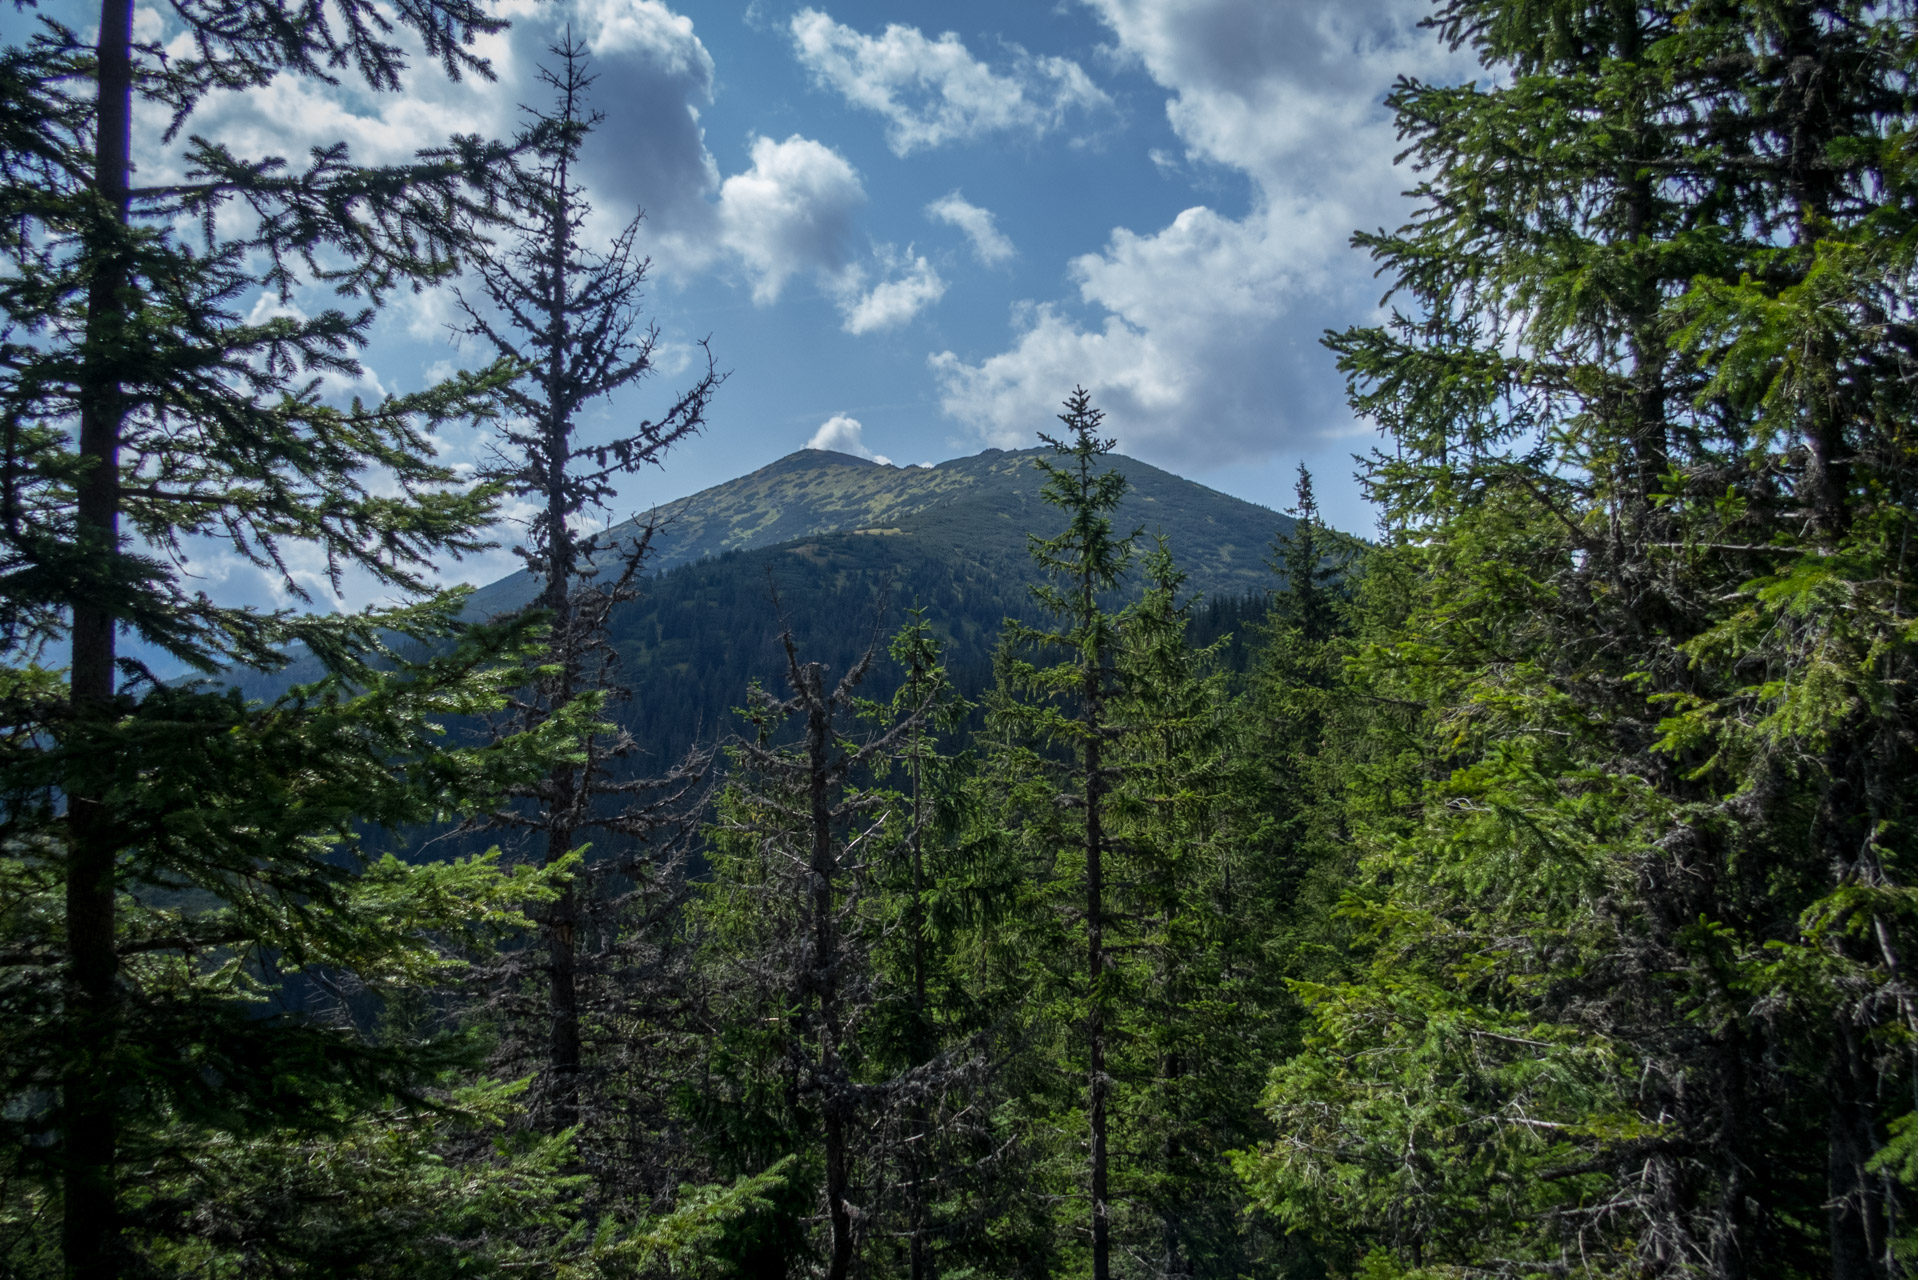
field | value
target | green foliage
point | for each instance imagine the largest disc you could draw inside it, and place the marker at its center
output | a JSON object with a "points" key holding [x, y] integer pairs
{"points": [[378, 1193], [1139, 948], [1621, 990], [242, 896], [198, 955], [221, 427], [1529, 895]]}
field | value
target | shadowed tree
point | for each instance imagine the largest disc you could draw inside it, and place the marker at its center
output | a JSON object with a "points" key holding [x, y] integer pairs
{"points": [[567, 317], [139, 411], [1069, 705], [1631, 920], [797, 911]]}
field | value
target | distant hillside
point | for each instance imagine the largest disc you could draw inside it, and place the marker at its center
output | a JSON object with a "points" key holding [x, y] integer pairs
{"points": [[845, 547], [980, 508]]}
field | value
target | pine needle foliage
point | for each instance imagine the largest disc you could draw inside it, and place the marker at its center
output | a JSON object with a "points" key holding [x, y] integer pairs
{"points": [[178, 853], [1626, 993]]}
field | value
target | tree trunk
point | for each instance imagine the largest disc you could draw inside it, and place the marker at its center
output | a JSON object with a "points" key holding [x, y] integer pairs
{"points": [[1169, 1220], [562, 943], [562, 918], [920, 1161], [562, 958], [90, 1231], [1095, 1011], [1854, 1212], [825, 976]]}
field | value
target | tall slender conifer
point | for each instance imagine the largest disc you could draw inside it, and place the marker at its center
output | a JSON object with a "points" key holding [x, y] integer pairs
{"points": [[567, 317], [142, 412]]}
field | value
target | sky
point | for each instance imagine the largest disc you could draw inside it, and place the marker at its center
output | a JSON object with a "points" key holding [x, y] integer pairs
{"points": [[910, 229]]}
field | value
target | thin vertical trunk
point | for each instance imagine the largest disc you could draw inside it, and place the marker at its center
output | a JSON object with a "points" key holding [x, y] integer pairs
{"points": [[1857, 1207], [562, 942], [1096, 1084], [825, 964], [1809, 94], [90, 1230], [1095, 1012], [1168, 1156], [1650, 444], [562, 917], [918, 1164], [1855, 1214], [562, 957]]}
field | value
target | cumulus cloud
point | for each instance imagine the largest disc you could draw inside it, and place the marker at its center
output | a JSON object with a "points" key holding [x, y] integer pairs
{"points": [[790, 211], [989, 244], [891, 303], [933, 91], [653, 68], [291, 114], [841, 434], [649, 27], [1204, 333]]}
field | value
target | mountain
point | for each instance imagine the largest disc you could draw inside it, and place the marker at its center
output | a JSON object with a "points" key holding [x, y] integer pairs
{"points": [[980, 507], [838, 548]]}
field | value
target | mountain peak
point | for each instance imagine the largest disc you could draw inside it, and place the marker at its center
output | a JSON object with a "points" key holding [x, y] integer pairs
{"points": [[812, 459], [977, 508]]}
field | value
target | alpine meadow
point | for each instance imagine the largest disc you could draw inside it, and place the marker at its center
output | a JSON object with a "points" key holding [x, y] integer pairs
{"points": [[476, 804]]}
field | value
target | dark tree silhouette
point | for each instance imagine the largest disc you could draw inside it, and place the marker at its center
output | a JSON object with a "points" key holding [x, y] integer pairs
{"points": [[568, 317]]}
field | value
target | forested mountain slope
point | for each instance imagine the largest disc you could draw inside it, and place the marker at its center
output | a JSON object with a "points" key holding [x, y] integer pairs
{"points": [[873, 541], [976, 509], [839, 548]]}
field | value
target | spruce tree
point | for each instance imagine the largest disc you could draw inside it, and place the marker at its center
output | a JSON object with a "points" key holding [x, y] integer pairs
{"points": [[918, 889], [566, 317], [142, 412], [1064, 711], [1627, 970], [1193, 1026], [1301, 709]]}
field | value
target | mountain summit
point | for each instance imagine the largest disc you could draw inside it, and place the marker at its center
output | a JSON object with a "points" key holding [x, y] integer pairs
{"points": [[978, 508], [836, 548]]}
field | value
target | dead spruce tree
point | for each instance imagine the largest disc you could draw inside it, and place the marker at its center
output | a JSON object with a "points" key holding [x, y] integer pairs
{"points": [[794, 916], [568, 316]]}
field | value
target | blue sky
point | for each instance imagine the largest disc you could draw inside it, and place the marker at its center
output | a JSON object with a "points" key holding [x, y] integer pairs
{"points": [[910, 228]]}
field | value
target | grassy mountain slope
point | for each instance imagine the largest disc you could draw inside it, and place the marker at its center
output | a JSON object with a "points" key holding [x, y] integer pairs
{"points": [[979, 508]]}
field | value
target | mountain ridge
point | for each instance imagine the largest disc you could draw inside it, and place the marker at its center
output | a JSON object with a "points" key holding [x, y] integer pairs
{"points": [[982, 506], [836, 548]]}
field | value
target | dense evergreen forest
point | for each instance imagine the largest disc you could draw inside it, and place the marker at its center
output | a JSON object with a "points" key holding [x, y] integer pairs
{"points": [[1524, 891]]}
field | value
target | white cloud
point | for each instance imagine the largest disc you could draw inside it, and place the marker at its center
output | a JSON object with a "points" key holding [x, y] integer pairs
{"points": [[1203, 338], [841, 434], [792, 210], [648, 27], [291, 114], [989, 244], [932, 92], [892, 303], [654, 73], [430, 315]]}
